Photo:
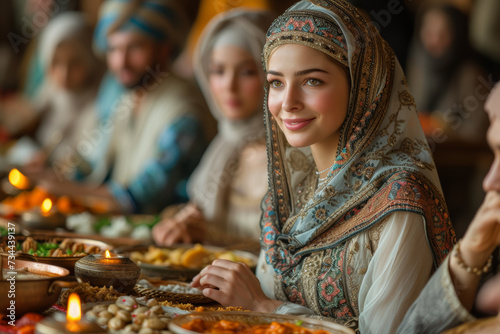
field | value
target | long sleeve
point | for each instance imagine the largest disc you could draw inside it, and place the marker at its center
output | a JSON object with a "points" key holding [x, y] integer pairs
{"points": [[437, 308], [388, 266], [398, 271], [163, 177], [267, 278]]}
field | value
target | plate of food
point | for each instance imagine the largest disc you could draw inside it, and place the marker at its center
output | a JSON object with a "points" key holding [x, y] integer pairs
{"points": [[174, 291], [183, 262], [63, 252], [252, 323]]}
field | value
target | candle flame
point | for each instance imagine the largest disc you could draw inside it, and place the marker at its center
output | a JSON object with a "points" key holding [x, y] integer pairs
{"points": [[18, 180], [106, 254], [46, 205], [74, 308]]}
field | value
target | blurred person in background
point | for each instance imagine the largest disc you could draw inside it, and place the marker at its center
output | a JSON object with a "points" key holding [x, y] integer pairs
{"points": [[32, 17], [21, 70], [156, 137], [450, 88], [227, 187], [63, 106], [208, 9], [442, 72]]}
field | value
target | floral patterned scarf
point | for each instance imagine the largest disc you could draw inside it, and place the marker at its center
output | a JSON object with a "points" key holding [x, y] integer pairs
{"points": [[383, 162]]}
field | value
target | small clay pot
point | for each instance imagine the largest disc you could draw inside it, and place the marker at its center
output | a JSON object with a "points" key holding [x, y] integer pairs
{"points": [[117, 271]]}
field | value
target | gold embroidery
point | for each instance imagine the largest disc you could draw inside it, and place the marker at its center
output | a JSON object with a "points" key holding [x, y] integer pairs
{"points": [[351, 277], [310, 273], [298, 161], [406, 99], [375, 232], [356, 247]]}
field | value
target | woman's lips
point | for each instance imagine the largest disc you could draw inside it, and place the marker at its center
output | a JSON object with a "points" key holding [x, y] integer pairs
{"points": [[233, 103], [297, 123]]}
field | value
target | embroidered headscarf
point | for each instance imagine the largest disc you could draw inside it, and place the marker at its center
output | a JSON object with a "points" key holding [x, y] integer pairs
{"points": [[160, 20], [383, 163], [246, 29]]}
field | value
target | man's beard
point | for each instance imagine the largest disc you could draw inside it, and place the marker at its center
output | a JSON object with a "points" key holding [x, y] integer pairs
{"points": [[138, 83]]}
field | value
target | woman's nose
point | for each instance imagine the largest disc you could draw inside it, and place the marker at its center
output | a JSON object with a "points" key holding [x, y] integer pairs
{"points": [[492, 180], [291, 99]]}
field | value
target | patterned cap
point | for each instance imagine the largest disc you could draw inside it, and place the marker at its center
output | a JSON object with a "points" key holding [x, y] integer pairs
{"points": [[319, 32]]}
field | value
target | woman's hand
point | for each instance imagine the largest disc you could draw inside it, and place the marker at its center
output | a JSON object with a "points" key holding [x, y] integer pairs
{"points": [[481, 238], [234, 284], [483, 234], [488, 298], [187, 226]]}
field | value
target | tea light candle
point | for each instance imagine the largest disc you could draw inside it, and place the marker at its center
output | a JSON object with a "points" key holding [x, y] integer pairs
{"points": [[108, 269], [72, 323], [15, 182], [44, 217]]}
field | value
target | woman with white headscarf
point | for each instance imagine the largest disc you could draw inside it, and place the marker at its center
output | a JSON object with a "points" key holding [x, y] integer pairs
{"points": [[63, 105], [227, 187]]}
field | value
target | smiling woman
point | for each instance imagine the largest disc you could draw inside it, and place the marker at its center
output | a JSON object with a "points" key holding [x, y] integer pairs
{"points": [[308, 98], [354, 220]]}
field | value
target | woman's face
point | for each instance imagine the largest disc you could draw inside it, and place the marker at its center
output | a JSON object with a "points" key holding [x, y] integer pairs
{"points": [[235, 82], [308, 95], [68, 69], [436, 34]]}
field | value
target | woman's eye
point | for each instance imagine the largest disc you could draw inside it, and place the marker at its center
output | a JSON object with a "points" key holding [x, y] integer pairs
{"points": [[216, 71], [248, 73], [275, 83], [313, 82]]}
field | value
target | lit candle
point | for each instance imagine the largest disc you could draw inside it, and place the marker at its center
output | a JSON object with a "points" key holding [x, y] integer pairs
{"points": [[46, 207], [73, 322], [74, 314], [44, 217], [18, 180]]}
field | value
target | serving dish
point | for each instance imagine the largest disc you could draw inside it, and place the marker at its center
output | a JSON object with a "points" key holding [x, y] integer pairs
{"points": [[255, 318], [67, 261], [183, 262], [33, 294]]}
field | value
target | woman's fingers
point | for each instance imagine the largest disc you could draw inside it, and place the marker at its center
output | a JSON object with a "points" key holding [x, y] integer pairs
{"points": [[488, 299]]}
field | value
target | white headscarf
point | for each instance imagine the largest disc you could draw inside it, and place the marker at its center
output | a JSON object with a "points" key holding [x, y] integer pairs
{"points": [[66, 107], [64, 27], [245, 29]]}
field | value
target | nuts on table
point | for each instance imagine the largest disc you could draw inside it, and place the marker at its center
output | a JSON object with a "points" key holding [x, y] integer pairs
{"points": [[116, 323], [113, 308], [124, 315], [28, 244], [154, 323]]}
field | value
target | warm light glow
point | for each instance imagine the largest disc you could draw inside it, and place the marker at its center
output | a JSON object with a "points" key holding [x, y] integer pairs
{"points": [[18, 180], [74, 308], [107, 255], [46, 205]]}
